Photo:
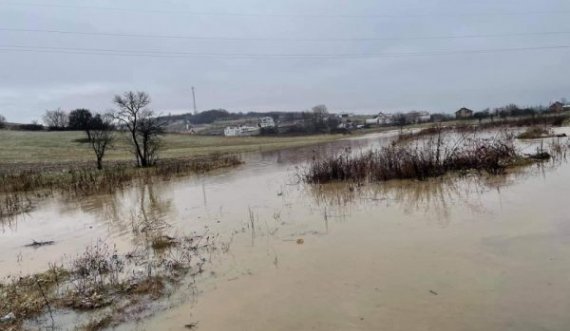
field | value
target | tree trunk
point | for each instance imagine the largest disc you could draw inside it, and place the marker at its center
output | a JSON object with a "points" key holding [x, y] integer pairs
{"points": [[140, 158], [99, 163]]}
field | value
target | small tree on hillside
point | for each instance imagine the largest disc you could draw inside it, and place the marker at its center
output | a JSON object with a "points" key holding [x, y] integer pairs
{"points": [[80, 119], [100, 133], [2, 122], [143, 127], [55, 119], [400, 120], [320, 114], [481, 115]]}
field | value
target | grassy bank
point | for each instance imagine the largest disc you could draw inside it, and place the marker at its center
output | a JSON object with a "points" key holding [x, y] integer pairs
{"points": [[18, 190], [86, 181], [22, 147]]}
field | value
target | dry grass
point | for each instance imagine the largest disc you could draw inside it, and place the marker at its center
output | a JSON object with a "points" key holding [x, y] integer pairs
{"points": [[473, 126], [86, 181], [543, 120], [98, 323], [535, 132], [425, 132], [433, 157], [13, 204], [30, 295], [101, 280], [153, 286], [163, 242], [47, 148], [18, 190]]}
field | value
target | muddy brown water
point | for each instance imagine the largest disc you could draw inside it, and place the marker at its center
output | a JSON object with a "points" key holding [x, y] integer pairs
{"points": [[444, 254]]}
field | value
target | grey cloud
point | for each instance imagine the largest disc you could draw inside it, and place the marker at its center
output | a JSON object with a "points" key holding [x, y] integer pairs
{"points": [[33, 82]]}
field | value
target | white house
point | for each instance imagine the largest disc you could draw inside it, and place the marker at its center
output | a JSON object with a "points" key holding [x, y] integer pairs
{"points": [[380, 119], [231, 131], [236, 131], [424, 116], [266, 122]]}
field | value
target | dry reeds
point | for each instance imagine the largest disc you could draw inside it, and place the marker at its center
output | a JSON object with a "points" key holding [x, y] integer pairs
{"points": [[419, 160], [99, 278], [536, 132], [19, 190], [95, 181]]}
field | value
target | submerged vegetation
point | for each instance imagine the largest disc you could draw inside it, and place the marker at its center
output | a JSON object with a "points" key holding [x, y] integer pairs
{"points": [[537, 127], [534, 133], [18, 190], [102, 281], [92, 181], [544, 120], [423, 158], [537, 132]]}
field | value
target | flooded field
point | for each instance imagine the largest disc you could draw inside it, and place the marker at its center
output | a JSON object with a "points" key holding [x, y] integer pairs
{"points": [[451, 253]]}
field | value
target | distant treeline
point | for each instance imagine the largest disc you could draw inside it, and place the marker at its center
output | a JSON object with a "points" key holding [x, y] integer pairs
{"points": [[314, 119], [211, 116]]}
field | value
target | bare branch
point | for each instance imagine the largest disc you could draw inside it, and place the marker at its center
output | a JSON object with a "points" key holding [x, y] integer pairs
{"points": [[144, 128], [100, 134], [55, 119]]}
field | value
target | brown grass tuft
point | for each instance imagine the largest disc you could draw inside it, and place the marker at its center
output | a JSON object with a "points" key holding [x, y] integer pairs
{"points": [[423, 159]]}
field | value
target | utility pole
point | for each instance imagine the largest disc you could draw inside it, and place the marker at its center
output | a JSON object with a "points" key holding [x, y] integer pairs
{"points": [[194, 98]]}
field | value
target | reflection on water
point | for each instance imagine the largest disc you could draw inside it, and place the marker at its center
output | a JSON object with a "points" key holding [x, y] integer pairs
{"points": [[264, 198], [435, 196], [431, 197], [260, 212], [445, 254]]}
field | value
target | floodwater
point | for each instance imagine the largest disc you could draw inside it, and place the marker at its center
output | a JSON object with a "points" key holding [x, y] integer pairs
{"points": [[446, 254]]}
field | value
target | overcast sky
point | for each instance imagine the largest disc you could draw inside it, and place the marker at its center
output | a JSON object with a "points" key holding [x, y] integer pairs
{"points": [[256, 55]]}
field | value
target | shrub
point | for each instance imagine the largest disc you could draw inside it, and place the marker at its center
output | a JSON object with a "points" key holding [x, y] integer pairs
{"points": [[534, 132], [31, 127], [431, 158]]}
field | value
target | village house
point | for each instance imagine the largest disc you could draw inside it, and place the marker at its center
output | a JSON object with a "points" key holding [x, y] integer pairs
{"points": [[239, 131], [266, 122], [344, 121], [380, 119], [245, 130], [556, 107], [417, 117], [343, 118], [424, 116], [463, 113]]}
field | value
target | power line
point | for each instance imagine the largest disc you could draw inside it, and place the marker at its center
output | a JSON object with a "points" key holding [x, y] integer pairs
{"points": [[357, 39], [175, 54], [285, 15]]}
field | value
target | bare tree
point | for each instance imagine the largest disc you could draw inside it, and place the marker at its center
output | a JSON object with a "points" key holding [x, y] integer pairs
{"points": [[320, 114], [320, 109], [2, 122], [144, 128], [149, 130], [55, 119], [100, 133], [400, 120]]}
